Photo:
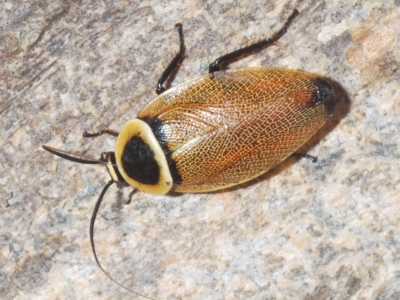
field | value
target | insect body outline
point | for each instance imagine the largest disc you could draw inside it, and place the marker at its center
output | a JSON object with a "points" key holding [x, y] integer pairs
{"points": [[214, 131]]}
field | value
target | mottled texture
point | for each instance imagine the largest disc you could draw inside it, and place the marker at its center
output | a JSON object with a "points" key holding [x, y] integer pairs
{"points": [[302, 231]]}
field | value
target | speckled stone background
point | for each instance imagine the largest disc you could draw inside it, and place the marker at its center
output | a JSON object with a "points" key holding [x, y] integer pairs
{"points": [[329, 230]]}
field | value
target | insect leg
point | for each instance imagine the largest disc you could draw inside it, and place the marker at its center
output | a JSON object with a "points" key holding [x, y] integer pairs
{"points": [[108, 131], [130, 197], [314, 159], [216, 65], [172, 65]]}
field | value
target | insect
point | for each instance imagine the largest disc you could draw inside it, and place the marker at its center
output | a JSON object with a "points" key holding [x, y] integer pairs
{"points": [[217, 130]]}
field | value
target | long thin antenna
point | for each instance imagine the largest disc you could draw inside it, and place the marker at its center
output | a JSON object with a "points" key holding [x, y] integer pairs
{"points": [[73, 156], [91, 233]]}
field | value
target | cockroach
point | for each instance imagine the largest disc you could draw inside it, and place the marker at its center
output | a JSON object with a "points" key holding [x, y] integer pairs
{"points": [[215, 131]]}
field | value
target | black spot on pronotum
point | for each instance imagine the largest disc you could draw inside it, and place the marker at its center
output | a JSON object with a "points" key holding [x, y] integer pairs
{"points": [[139, 163], [324, 94]]}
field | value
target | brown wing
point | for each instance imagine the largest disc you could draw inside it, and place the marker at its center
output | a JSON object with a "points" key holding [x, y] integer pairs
{"points": [[229, 127]]}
